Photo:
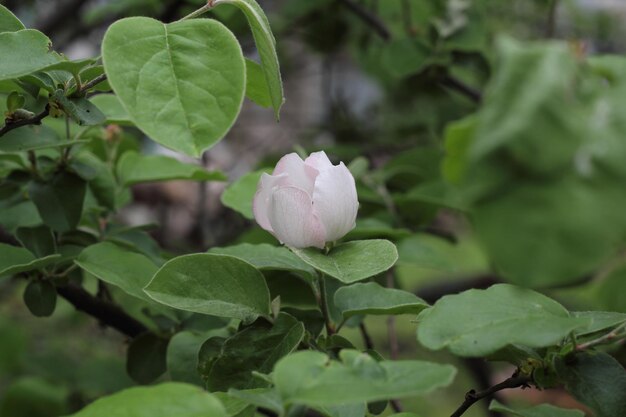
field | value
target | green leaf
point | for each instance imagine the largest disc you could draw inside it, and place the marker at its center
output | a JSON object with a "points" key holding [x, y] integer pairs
{"points": [[164, 400], [15, 101], [133, 168], [81, 110], [266, 46], [181, 83], [267, 398], [182, 357], [41, 298], [115, 265], [14, 260], [29, 50], [256, 85], [542, 410], [267, 257], [597, 380], [239, 195], [371, 298], [60, 200], [311, 378], [113, 110], [599, 320], [479, 322], [22, 214], [458, 138], [256, 348], [39, 240], [352, 261], [31, 138], [211, 284], [145, 358], [33, 397], [8, 21]]}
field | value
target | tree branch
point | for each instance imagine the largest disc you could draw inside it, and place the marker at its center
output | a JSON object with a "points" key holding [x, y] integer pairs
{"points": [[35, 120], [106, 312], [472, 397], [369, 18], [367, 339], [459, 86], [92, 83]]}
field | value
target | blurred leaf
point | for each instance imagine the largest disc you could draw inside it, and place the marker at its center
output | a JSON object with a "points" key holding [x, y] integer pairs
{"points": [[133, 168], [164, 400], [29, 50], [597, 380], [458, 138], [255, 348], [352, 261], [146, 358], [371, 298], [267, 398], [211, 284], [475, 323], [266, 47], [41, 298], [239, 195], [404, 57], [311, 378], [8, 21], [611, 291], [174, 101], [599, 320], [542, 410], [118, 266], [34, 397], [256, 85], [39, 240], [60, 200], [182, 357], [30, 138], [110, 105]]}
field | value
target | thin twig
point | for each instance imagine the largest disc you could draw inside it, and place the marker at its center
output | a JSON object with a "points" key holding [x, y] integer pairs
{"points": [[92, 83], [391, 323], [472, 397], [607, 338], [369, 18], [367, 339], [330, 329], [35, 120], [459, 86]]}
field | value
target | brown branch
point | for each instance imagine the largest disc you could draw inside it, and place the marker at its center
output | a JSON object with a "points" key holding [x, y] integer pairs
{"points": [[369, 18], [472, 397], [462, 88], [106, 312], [367, 339], [92, 83], [35, 120]]}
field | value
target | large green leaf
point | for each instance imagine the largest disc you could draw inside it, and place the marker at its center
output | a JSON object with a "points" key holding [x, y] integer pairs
{"points": [[266, 46], [239, 195], [164, 400], [60, 200], [219, 285], [113, 264], [29, 50], [268, 257], [542, 410], [133, 168], [256, 348], [14, 260], [8, 21], [312, 379], [597, 380], [371, 298], [113, 110], [480, 322], [181, 83], [352, 261]]}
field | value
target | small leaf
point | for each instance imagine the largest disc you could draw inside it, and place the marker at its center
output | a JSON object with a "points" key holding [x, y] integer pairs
{"points": [[8, 21], [60, 200], [133, 168], [371, 298], [597, 380], [266, 46], [181, 83], [29, 50], [81, 110], [219, 285], [14, 260], [239, 195], [41, 298], [352, 261], [145, 359], [118, 266], [542, 410], [479, 322], [15, 101], [164, 400], [311, 378]]}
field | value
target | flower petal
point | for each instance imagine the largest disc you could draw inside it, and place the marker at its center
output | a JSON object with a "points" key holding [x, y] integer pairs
{"points": [[319, 160], [300, 174], [292, 219], [261, 202], [335, 201]]}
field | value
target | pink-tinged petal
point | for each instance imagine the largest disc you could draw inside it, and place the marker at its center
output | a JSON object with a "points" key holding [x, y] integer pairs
{"points": [[292, 219], [335, 201], [299, 174], [319, 160], [261, 202]]}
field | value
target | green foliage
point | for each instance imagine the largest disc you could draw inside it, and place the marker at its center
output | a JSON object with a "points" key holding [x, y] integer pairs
{"points": [[371, 298], [8, 21], [30, 52], [238, 195], [543, 410], [145, 358]]}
